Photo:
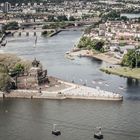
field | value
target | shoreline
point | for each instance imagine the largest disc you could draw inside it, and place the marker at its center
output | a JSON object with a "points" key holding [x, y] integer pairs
{"points": [[125, 72], [89, 53], [65, 90]]}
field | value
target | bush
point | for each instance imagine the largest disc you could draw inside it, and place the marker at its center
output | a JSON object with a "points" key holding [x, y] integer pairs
{"points": [[44, 33], [87, 43], [10, 26]]}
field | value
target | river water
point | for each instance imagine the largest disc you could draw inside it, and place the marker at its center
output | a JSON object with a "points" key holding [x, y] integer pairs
{"points": [[130, 16], [32, 119]]}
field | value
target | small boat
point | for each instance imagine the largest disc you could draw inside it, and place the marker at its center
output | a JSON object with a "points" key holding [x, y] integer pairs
{"points": [[100, 83], [55, 131], [121, 87], [106, 85], [67, 52], [98, 133]]}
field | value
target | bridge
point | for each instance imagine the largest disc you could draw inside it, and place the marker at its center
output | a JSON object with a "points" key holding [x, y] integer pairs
{"points": [[34, 32]]}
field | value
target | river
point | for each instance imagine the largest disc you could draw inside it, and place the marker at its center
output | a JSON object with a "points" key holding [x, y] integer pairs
{"points": [[130, 16], [32, 119]]}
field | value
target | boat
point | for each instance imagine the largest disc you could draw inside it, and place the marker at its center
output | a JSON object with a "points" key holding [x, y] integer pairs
{"points": [[55, 131], [67, 52], [121, 87], [98, 134]]}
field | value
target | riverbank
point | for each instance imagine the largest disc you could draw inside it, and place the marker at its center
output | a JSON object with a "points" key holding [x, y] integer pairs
{"points": [[123, 71], [107, 57], [64, 90]]}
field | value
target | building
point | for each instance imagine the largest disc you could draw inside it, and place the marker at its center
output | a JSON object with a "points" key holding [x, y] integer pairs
{"points": [[6, 7]]}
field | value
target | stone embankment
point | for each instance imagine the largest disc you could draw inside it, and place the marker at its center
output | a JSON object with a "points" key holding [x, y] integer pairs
{"points": [[71, 91]]}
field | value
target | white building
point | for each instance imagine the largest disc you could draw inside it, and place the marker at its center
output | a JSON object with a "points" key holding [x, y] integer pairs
{"points": [[6, 7]]}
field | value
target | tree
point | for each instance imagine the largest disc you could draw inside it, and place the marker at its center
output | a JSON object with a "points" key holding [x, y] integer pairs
{"points": [[71, 18], [10, 26], [112, 15], [5, 81], [62, 18], [124, 18], [99, 45], [95, 44], [130, 59], [51, 18], [19, 68]]}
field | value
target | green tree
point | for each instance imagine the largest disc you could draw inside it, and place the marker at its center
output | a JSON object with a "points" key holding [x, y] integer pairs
{"points": [[130, 59], [71, 18], [19, 68], [87, 43], [62, 18], [5, 81], [51, 18]]}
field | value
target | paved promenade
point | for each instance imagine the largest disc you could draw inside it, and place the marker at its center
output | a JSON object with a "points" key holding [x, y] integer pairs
{"points": [[66, 90]]}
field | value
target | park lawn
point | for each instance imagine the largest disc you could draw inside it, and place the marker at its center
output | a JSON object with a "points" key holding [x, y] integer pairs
{"points": [[123, 71]]}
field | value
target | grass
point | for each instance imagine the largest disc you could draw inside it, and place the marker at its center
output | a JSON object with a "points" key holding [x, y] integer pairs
{"points": [[123, 71]]}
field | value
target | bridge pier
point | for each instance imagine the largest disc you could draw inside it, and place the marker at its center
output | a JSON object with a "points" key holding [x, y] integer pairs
{"points": [[27, 33], [34, 33], [19, 34]]}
